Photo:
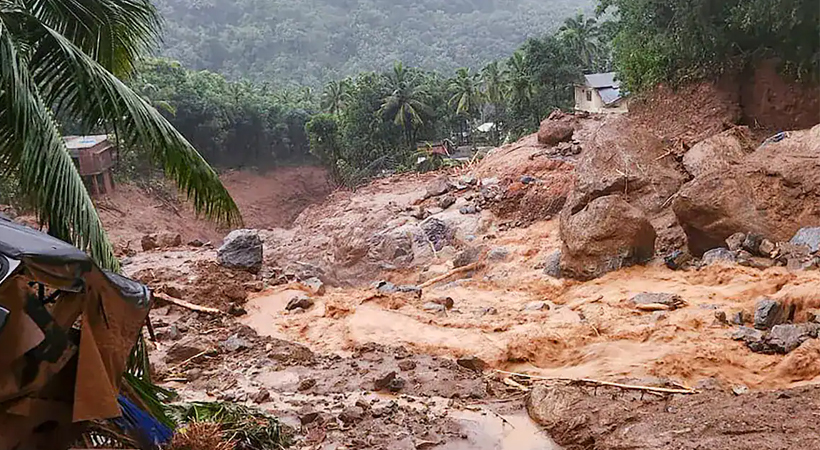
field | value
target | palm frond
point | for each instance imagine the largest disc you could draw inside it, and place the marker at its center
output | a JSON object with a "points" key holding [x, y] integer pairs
{"points": [[77, 86], [32, 146], [113, 32]]}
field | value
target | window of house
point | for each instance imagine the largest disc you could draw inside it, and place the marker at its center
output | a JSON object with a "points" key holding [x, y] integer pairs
{"points": [[589, 95]]}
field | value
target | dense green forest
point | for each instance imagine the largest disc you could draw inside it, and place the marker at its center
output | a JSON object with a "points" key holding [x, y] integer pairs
{"points": [[309, 42], [378, 119]]}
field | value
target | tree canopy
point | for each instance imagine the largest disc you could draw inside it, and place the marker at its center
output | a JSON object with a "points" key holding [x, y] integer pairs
{"points": [[310, 42]]}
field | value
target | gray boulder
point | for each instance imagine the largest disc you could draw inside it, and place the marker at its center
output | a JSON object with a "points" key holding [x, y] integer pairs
{"points": [[241, 249], [718, 255], [785, 338], [769, 313], [437, 233], [810, 237]]}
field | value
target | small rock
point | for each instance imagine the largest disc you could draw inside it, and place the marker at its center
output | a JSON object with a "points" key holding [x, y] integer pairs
{"points": [[437, 187], [390, 382], [677, 259], [196, 243], [410, 289], [467, 256], [420, 213], [720, 317], [447, 302], [747, 335], [735, 241], [171, 334], [766, 248], [769, 313], [434, 307], [149, 242], [498, 254], [315, 285], [473, 363], [536, 306], [193, 374], [308, 418], [385, 287], [384, 410], [658, 316], [528, 179], [254, 286], [234, 343], [552, 264], [299, 301], [236, 310], [740, 318], [306, 384], [489, 311], [718, 255], [351, 415], [809, 237], [673, 301], [468, 180], [407, 365], [813, 315], [446, 201], [752, 243], [469, 209], [740, 390], [184, 350], [261, 397]]}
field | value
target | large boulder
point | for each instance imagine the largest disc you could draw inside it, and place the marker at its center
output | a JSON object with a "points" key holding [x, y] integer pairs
{"points": [[554, 131], [719, 152], [772, 192], [241, 249], [606, 235], [624, 159]]}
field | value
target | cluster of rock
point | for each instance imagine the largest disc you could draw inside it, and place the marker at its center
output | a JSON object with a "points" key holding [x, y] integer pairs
{"points": [[750, 249], [772, 331]]}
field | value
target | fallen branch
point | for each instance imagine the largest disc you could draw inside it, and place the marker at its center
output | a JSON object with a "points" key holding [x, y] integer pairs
{"points": [[187, 305], [653, 307], [654, 390], [440, 278]]}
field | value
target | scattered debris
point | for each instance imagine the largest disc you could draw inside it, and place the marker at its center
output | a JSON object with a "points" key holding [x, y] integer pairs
{"points": [[315, 285], [299, 301]]}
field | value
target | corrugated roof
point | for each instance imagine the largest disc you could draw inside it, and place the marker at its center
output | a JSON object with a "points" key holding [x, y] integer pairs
{"points": [[609, 95], [601, 80], [78, 142]]}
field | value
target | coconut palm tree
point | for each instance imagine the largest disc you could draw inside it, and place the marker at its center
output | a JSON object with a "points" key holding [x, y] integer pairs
{"points": [[466, 93], [60, 59], [405, 105], [334, 96], [581, 35], [518, 80]]}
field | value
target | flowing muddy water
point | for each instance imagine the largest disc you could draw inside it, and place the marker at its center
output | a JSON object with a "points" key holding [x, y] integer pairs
{"points": [[586, 330]]}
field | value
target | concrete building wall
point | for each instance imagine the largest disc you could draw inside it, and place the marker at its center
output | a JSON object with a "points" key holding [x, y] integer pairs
{"points": [[588, 99]]}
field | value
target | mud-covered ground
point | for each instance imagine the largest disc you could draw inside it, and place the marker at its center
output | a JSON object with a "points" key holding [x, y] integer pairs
{"points": [[359, 368]]}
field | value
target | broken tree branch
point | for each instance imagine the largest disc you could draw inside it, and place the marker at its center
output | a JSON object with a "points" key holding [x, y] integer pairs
{"points": [[187, 305], [440, 278], [651, 389]]}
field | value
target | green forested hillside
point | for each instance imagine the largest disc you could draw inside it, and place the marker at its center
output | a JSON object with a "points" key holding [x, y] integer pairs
{"points": [[311, 41]]}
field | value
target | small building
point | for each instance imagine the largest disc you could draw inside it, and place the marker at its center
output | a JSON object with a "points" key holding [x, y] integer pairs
{"points": [[94, 157], [600, 93]]}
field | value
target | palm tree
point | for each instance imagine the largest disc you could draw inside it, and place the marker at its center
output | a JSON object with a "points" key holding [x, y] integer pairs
{"points": [[405, 103], [334, 96], [581, 35], [518, 80], [494, 84], [61, 59], [466, 94]]}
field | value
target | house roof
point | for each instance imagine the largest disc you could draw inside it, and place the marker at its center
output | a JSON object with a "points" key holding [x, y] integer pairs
{"points": [[602, 80], [80, 142]]}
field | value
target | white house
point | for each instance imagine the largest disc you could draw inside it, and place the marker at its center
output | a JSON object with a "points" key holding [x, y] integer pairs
{"points": [[600, 93]]}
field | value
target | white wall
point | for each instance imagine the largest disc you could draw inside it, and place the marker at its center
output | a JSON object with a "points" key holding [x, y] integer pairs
{"points": [[596, 105]]}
